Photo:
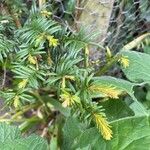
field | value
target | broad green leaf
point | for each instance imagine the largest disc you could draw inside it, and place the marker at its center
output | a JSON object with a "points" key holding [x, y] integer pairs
{"points": [[132, 133], [11, 139], [139, 66], [116, 109], [53, 143], [121, 84], [8, 132], [147, 49], [71, 130]]}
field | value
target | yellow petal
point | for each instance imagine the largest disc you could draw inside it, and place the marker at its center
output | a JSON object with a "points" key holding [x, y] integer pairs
{"points": [[46, 13], [52, 41], [69, 99], [124, 61]]}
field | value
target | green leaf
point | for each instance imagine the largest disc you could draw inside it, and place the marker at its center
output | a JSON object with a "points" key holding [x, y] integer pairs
{"points": [[120, 84], [116, 109], [131, 133], [8, 132], [11, 139], [6, 47], [139, 67], [58, 106], [53, 143], [146, 49], [32, 30], [29, 72], [71, 130], [128, 134]]}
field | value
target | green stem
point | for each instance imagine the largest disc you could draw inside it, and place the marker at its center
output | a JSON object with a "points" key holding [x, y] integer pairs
{"points": [[12, 120], [25, 109], [20, 120], [108, 65], [5, 115], [36, 94]]}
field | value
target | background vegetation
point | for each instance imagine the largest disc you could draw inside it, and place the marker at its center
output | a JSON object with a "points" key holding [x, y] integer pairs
{"points": [[76, 73]]}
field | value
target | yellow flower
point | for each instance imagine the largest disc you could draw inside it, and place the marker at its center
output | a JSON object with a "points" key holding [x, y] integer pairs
{"points": [[103, 126], [108, 91], [23, 83], [46, 13], [32, 59], [124, 61], [52, 41], [16, 101], [68, 99]]}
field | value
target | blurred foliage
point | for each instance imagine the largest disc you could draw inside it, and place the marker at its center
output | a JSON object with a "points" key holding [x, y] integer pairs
{"points": [[129, 20]]}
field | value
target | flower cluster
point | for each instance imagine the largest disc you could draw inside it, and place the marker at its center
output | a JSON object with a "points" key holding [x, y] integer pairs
{"points": [[106, 90], [103, 126]]}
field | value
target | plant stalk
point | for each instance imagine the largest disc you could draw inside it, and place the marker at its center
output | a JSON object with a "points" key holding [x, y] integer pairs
{"points": [[108, 65]]}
